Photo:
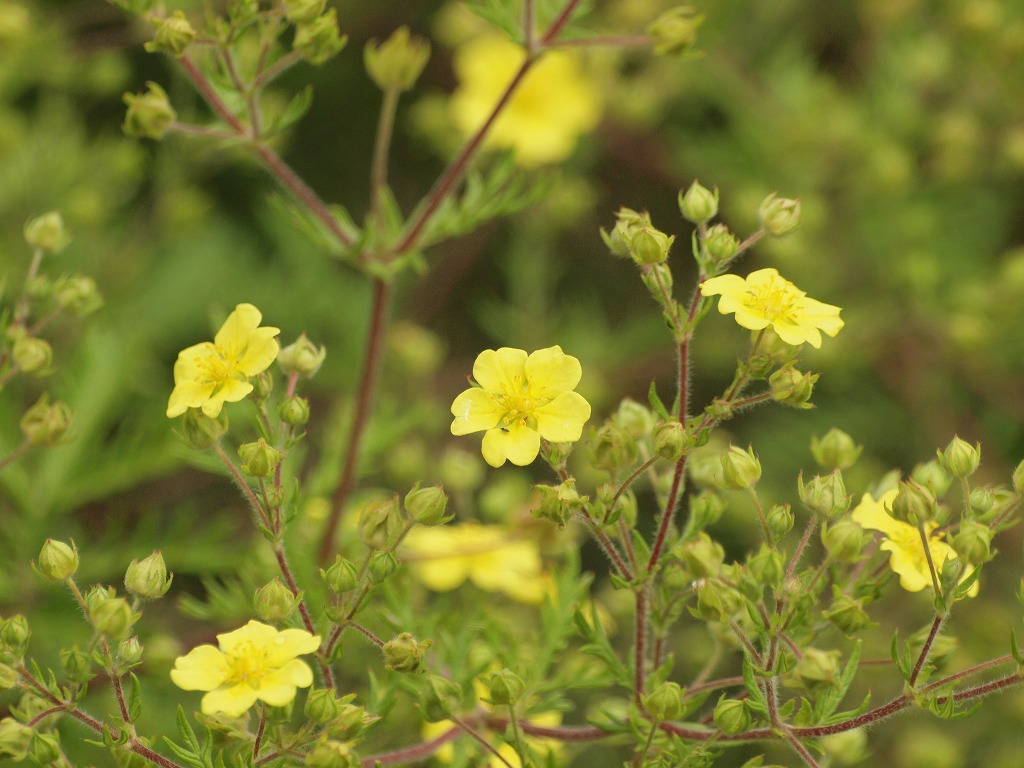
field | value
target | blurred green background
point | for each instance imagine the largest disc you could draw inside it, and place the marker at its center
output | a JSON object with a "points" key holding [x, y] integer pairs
{"points": [[899, 124]]}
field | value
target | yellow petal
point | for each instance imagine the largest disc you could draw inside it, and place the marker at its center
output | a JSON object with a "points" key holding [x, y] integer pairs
{"points": [[260, 351], [475, 409], [237, 326], [549, 372], [281, 683], [233, 702], [288, 644], [254, 633], [562, 420], [872, 514], [725, 285], [518, 444], [495, 370], [201, 669]]}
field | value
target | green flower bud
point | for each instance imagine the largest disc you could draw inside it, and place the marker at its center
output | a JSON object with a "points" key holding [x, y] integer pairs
{"points": [[665, 702], [505, 688], [847, 613], [649, 246], [636, 420], [259, 459], [381, 523], [1018, 479], [77, 664], [149, 114], [44, 749], [973, 543], [558, 503], [262, 386], [77, 294], [817, 667], [627, 222], [698, 205], [9, 677], [847, 747], [731, 716], [982, 500], [33, 355], [382, 565], [148, 579], [427, 506], [294, 411], [301, 357], [825, 496], [766, 565], [274, 601], [740, 469], [318, 40], [779, 216], [331, 753], [199, 431], [47, 232], [440, 698], [791, 387], [14, 637], [611, 448], [342, 576], [843, 540], [914, 503], [932, 476], [671, 441], [716, 601], [129, 652], [98, 594], [173, 35], [702, 556], [706, 509], [461, 470], [302, 11], [112, 617], [835, 450], [780, 521], [404, 653], [322, 706], [719, 244], [960, 458], [658, 280], [15, 738], [396, 64], [57, 561], [674, 33]]}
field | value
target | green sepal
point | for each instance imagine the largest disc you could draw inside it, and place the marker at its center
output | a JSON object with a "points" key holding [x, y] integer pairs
{"points": [[134, 698], [656, 404], [295, 111]]}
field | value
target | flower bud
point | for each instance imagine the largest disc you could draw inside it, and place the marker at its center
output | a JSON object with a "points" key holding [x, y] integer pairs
{"points": [[698, 205], [427, 506], [9, 676], [779, 216], [674, 33], [658, 280], [982, 500], [973, 543], [740, 469], [57, 560], [960, 458], [791, 387], [558, 503], [274, 601], [665, 702], [149, 114], [835, 450], [825, 496], [129, 651], [671, 440], [766, 566], [706, 509], [77, 294], [611, 448], [173, 35], [843, 540], [47, 232], [396, 64], [322, 706], [301, 357], [731, 716], [15, 738], [318, 39], [716, 601], [505, 688], [199, 431], [112, 617], [342, 576], [847, 613], [148, 579], [914, 503], [932, 476], [440, 698], [382, 565], [380, 523], [702, 556], [780, 521], [404, 654], [302, 11], [259, 459], [33, 355], [719, 244], [14, 637], [294, 411], [627, 223], [331, 753], [817, 667], [44, 749], [650, 246], [262, 386], [77, 664], [636, 420]]}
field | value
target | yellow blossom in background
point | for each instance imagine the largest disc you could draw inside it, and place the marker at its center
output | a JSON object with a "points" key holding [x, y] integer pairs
{"points": [[903, 542], [255, 662], [209, 374], [519, 399], [551, 108], [442, 558], [764, 298]]}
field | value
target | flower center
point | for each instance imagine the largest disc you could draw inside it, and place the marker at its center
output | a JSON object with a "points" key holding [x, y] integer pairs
{"points": [[248, 665], [218, 367], [519, 403], [776, 299]]}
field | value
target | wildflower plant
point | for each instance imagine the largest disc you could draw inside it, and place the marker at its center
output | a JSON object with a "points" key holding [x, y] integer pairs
{"points": [[458, 621]]}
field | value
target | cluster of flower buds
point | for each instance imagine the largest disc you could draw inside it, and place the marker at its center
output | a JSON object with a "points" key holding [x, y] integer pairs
{"points": [[396, 64]]}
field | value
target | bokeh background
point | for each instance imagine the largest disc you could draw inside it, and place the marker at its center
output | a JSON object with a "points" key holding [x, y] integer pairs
{"points": [[898, 123]]}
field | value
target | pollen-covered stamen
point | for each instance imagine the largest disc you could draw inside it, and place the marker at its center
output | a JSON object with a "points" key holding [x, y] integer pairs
{"points": [[519, 403], [248, 665], [778, 300]]}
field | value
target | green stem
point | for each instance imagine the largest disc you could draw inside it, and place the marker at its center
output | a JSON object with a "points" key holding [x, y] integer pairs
{"points": [[381, 147]]}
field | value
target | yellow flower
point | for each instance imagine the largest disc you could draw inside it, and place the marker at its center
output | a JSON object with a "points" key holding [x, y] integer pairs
{"points": [[209, 374], [903, 543], [443, 557], [519, 399], [553, 105], [765, 299], [254, 662]]}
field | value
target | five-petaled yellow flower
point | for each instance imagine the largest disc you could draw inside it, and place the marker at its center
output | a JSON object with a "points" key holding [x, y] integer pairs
{"points": [[765, 299], [254, 662], [519, 399], [209, 374], [443, 557], [903, 543], [550, 109]]}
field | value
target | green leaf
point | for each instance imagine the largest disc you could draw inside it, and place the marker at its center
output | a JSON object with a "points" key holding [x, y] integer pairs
{"points": [[656, 405], [134, 698], [295, 111], [831, 698]]}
